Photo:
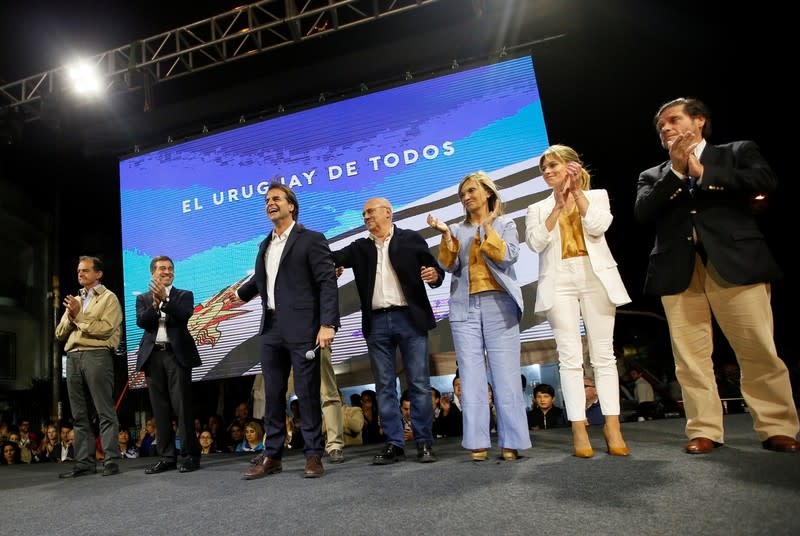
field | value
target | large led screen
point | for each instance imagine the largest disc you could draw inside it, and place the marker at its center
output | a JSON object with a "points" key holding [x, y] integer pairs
{"points": [[201, 202]]}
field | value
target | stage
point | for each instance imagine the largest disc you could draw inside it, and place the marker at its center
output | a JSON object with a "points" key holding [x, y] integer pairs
{"points": [[737, 489]]}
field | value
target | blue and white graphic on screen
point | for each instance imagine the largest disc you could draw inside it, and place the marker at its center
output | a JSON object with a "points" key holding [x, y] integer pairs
{"points": [[202, 202]]}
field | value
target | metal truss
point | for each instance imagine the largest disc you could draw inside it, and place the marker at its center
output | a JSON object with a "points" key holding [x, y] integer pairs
{"points": [[242, 32]]}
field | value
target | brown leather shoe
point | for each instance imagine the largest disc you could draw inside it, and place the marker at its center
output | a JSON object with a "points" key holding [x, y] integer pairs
{"points": [[268, 466], [781, 443], [701, 445], [313, 467]]}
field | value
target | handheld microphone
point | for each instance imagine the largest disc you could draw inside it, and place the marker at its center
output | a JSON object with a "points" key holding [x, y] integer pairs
{"points": [[311, 354]]}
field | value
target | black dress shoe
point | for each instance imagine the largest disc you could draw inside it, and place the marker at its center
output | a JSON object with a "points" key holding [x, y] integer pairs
{"points": [[425, 454], [78, 471], [389, 454], [111, 468], [191, 463], [160, 467], [257, 459]]}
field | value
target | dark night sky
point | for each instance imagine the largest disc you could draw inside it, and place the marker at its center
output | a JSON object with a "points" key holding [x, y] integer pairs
{"points": [[600, 85]]}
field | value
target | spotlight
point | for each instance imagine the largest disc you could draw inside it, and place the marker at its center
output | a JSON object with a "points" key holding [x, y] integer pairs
{"points": [[84, 77]]}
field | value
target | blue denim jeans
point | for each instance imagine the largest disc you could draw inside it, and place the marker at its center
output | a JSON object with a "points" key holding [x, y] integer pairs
{"points": [[390, 331]]}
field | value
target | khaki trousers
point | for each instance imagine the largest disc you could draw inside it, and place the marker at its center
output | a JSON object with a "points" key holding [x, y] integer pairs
{"points": [[744, 314]]}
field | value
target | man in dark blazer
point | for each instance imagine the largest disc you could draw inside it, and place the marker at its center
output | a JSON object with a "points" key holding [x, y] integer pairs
{"points": [[389, 268], [295, 278], [711, 257], [167, 354]]}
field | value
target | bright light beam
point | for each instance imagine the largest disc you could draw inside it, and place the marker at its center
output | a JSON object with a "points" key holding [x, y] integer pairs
{"points": [[85, 78]]}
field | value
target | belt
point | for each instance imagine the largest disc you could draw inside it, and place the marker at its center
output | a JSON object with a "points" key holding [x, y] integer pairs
{"points": [[163, 346], [390, 309]]}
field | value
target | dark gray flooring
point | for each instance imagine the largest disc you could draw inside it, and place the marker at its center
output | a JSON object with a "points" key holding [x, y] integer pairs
{"points": [[737, 489]]}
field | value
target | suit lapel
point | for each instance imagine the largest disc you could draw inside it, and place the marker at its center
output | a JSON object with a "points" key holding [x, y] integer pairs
{"points": [[290, 241]]}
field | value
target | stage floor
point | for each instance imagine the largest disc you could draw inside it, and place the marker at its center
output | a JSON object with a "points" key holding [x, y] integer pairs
{"points": [[738, 489]]}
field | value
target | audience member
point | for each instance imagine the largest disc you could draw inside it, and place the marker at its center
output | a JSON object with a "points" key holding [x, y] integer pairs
{"points": [[372, 432], [65, 450], [26, 455], [48, 444], [26, 437], [147, 439], [728, 379], [253, 438], [235, 437], [446, 416], [127, 449], [207, 445], [405, 414], [594, 413], [11, 453], [545, 414]]}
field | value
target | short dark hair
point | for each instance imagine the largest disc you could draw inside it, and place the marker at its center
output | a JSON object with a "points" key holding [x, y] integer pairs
{"points": [[545, 388], [160, 258], [693, 108], [436, 392], [97, 264], [290, 197]]}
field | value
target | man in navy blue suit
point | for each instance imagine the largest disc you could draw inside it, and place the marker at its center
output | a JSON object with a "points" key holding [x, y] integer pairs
{"points": [[167, 354], [710, 257], [295, 278], [390, 268]]}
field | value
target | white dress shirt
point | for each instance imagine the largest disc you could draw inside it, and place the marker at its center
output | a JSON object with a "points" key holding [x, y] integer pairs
{"points": [[387, 292], [272, 261]]}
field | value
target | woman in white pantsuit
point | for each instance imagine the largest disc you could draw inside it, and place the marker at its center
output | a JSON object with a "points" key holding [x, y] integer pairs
{"points": [[578, 275]]}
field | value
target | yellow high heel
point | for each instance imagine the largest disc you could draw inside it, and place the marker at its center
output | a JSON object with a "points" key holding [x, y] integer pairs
{"points": [[510, 455], [611, 430], [479, 455], [580, 440]]}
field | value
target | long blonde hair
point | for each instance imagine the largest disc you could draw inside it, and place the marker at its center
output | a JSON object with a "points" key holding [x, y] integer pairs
{"points": [[483, 180], [566, 154]]}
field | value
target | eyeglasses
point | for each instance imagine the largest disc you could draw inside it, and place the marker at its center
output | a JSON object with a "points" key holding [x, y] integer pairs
{"points": [[370, 211]]}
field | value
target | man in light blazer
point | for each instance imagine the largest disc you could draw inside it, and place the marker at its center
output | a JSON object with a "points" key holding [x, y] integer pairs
{"points": [[167, 354], [391, 268], [295, 278], [710, 257]]}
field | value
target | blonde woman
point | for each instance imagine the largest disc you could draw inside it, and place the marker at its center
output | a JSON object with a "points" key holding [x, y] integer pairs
{"points": [[578, 276], [253, 438], [485, 309]]}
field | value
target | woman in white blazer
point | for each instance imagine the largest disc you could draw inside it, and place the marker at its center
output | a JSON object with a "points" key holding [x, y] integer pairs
{"points": [[578, 275]]}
